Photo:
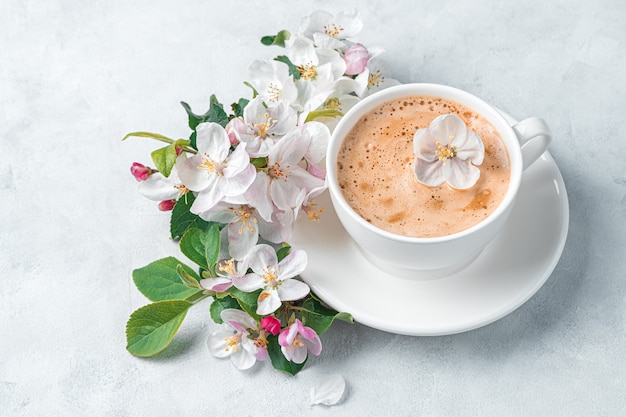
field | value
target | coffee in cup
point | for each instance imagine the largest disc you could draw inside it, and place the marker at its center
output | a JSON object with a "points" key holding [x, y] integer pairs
{"points": [[375, 170]]}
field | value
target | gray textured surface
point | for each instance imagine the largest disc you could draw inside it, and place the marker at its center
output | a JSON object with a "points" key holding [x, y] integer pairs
{"points": [[75, 77]]}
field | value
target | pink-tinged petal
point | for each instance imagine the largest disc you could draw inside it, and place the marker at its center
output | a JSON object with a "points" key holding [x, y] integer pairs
{"points": [[292, 289], [242, 359], [216, 342], [261, 354], [288, 335], [429, 173], [249, 282], [269, 301], [206, 200], [240, 320], [313, 345], [356, 58], [237, 161], [219, 284], [233, 186], [195, 179], [212, 139], [446, 128], [242, 238], [470, 148], [317, 172], [261, 256], [425, 146], [329, 390], [292, 264], [232, 129], [460, 174], [254, 349], [303, 179]]}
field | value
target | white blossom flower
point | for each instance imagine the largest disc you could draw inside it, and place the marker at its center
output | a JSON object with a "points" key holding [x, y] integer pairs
{"points": [[263, 125], [297, 340], [376, 77], [272, 81], [215, 172], [227, 270], [275, 278], [330, 31], [447, 151], [238, 340], [157, 187]]}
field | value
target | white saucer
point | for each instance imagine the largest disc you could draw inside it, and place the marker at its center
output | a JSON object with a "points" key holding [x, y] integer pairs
{"points": [[504, 276]]}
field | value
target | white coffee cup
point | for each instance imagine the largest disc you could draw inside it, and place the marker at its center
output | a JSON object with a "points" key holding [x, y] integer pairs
{"points": [[427, 258]]}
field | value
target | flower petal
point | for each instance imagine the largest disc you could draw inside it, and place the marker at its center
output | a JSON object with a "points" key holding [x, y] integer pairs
{"points": [[261, 256], [206, 199], [424, 145], [329, 390], [447, 127], [216, 342], [269, 301], [429, 173], [195, 179], [471, 149], [238, 319], [238, 184], [296, 354], [219, 284], [242, 359], [292, 289], [293, 264], [460, 174], [212, 139], [249, 282]]}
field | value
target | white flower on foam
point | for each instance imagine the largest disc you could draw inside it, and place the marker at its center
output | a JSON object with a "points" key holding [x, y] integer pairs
{"points": [[331, 31], [447, 151]]}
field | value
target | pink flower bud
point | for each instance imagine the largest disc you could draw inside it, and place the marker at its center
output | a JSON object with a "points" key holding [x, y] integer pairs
{"points": [[356, 59], [167, 205], [178, 149], [271, 325], [140, 172]]}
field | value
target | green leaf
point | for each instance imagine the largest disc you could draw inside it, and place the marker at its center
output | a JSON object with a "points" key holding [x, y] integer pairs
{"points": [[260, 162], [319, 317], [182, 219], [164, 159], [215, 114], [220, 304], [254, 92], [239, 107], [152, 327], [293, 70], [188, 280], [248, 301], [323, 113], [283, 251], [202, 246], [149, 135], [279, 39], [278, 359], [160, 280]]}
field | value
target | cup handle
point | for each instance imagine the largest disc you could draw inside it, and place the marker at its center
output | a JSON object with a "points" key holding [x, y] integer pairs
{"points": [[534, 137]]}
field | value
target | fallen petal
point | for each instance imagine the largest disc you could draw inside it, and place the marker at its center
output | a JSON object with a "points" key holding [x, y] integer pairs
{"points": [[329, 390]]}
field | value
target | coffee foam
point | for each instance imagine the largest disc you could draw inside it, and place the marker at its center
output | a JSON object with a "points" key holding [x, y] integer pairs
{"points": [[375, 171]]}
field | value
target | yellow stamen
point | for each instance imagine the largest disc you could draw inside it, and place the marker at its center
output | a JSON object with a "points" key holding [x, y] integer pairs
{"points": [[228, 266], [210, 165], [376, 78], [333, 30], [333, 103], [445, 152], [270, 275], [274, 92], [182, 190], [263, 127], [314, 214], [231, 342], [277, 172], [245, 217], [307, 71]]}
